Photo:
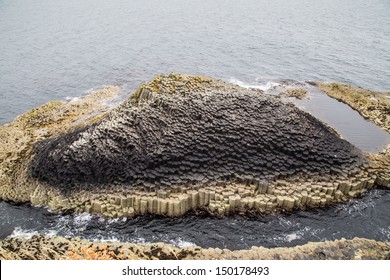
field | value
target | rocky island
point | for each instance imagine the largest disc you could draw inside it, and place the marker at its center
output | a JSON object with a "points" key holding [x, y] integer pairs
{"points": [[183, 144]]}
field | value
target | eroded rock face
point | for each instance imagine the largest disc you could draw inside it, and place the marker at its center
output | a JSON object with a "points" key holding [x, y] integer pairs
{"points": [[180, 130]]}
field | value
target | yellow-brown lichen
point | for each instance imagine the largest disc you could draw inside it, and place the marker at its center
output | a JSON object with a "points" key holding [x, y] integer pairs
{"points": [[372, 105], [298, 93]]}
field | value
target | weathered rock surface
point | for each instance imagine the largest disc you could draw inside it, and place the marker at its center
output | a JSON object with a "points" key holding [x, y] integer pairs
{"points": [[183, 130], [59, 248]]}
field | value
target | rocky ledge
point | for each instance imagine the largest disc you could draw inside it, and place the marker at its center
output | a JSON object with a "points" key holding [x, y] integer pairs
{"points": [[374, 106], [40, 247], [180, 143]]}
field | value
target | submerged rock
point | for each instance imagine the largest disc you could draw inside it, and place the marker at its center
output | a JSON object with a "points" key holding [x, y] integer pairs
{"points": [[182, 130]]}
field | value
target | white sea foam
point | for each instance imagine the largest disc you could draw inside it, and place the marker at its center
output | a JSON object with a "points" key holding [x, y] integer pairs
{"points": [[357, 206], [62, 222], [69, 226], [385, 232], [83, 94], [267, 86], [25, 233], [82, 219], [106, 239], [72, 98], [51, 233], [29, 233], [179, 242], [293, 236], [283, 221], [315, 232], [299, 234], [112, 220]]}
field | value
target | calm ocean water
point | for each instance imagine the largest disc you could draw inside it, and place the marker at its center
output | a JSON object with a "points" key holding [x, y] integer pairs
{"points": [[52, 49]]}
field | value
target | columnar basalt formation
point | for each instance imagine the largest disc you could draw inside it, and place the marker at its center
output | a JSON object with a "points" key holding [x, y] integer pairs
{"points": [[48, 248], [198, 135], [374, 106], [17, 139], [185, 143]]}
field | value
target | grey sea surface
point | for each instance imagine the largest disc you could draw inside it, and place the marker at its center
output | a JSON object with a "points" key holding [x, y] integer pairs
{"points": [[53, 49]]}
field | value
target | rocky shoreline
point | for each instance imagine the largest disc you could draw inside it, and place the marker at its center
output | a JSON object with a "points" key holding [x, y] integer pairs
{"points": [[18, 139], [374, 106], [163, 151], [186, 143], [40, 247]]}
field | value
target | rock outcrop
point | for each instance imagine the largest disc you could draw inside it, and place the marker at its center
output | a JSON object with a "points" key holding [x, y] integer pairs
{"points": [[180, 143], [298, 93], [59, 248], [18, 138], [194, 131], [372, 105]]}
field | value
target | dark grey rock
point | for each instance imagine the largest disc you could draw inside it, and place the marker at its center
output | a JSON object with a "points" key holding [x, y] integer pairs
{"points": [[194, 136]]}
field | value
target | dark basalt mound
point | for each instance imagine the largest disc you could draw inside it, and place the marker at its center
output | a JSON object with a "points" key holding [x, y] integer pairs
{"points": [[180, 130]]}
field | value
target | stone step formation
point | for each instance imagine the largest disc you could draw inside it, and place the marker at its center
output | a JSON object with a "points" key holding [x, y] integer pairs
{"points": [[180, 131]]}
